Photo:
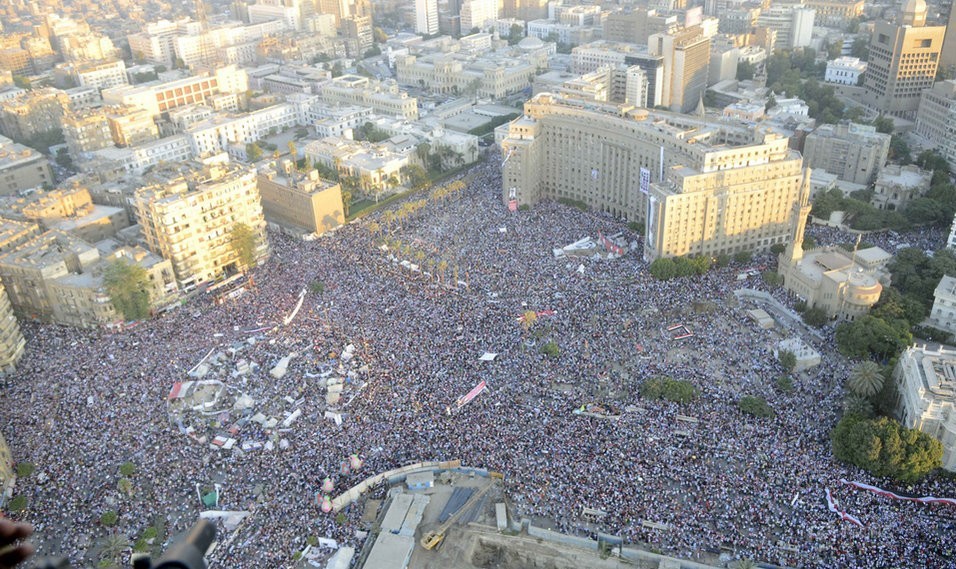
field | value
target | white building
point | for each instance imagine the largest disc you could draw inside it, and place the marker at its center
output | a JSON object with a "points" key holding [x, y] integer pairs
{"points": [[221, 132], [426, 17], [136, 159], [478, 14], [845, 71], [943, 315], [926, 381], [101, 75], [793, 25], [289, 16]]}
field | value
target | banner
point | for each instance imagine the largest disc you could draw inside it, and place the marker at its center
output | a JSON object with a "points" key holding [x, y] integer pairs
{"points": [[836, 509], [645, 180], [610, 245], [513, 205], [894, 496], [462, 401]]}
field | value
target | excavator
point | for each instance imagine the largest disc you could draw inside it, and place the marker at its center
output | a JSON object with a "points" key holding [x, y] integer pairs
{"points": [[433, 539]]}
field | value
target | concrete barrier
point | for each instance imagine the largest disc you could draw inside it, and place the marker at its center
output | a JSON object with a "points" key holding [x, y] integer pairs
{"points": [[353, 493], [555, 537]]}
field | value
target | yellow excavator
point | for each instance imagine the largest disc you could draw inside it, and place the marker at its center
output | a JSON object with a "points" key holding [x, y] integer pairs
{"points": [[433, 539]]}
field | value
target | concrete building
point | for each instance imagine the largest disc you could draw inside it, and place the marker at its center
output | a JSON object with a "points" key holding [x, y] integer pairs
{"points": [[698, 200], [936, 119], [845, 71], [926, 383], [300, 202], [792, 24], [525, 10], [903, 59], [591, 57], [136, 159], [686, 60], [32, 113], [636, 25], [69, 209], [426, 17], [12, 347], [835, 13], [85, 131], [14, 233], [479, 14], [376, 168], [189, 220], [458, 73], [130, 126], [22, 168], [101, 74], [948, 57], [161, 97], [897, 185], [384, 97], [852, 151], [943, 314]]}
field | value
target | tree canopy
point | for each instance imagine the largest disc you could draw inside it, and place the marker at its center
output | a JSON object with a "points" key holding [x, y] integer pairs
{"points": [[883, 447], [128, 287], [870, 336], [244, 243]]}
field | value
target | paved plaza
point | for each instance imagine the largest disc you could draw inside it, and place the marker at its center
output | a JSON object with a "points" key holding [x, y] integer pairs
{"points": [[690, 480]]}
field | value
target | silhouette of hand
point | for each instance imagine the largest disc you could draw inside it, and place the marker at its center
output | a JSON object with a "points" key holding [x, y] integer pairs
{"points": [[12, 549]]}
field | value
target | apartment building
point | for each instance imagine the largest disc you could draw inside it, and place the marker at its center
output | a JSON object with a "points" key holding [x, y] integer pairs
{"points": [[936, 119], [101, 74], [854, 152], [189, 219], [300, 201], [161, 97], [12, 347], [686, 62], [835, 13], [85, 131], [32, 113], [702, 186], [22, 168]]}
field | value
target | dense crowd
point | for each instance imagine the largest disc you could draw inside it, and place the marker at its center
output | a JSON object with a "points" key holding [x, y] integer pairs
{"points": [[84, 402]]}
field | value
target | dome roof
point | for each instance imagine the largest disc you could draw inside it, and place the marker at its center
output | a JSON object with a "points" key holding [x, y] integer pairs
{"points": [[532, 42]]}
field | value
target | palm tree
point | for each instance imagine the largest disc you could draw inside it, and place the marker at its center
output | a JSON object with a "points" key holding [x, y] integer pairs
{"points": [[866, 379], [744, 564], [857, 405], [113, 546], [442, 267]]}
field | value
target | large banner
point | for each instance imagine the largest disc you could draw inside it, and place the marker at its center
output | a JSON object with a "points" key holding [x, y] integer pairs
{"points": [[462, 401], [836, 509], [645, 180], [894, 496]]}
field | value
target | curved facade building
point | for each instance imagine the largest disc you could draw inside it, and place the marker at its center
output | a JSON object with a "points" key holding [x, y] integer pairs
{"points": [[703, 187]]}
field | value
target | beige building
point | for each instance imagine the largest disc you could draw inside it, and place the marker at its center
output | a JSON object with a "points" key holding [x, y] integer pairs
{"points": [[903, 59], [843, 284], [948, 58], [189, 219], [385, 98], [15, 233], [703, 186], [130, 126], [854, 152], [12, 346], [936, 118], [943, 314], [375, 167], [8, 477], [926, 383], [896, 185], [835, 13], [32, 113], [22, 168], [86, 131], [71, 210], [300, 201], [686, 62]]}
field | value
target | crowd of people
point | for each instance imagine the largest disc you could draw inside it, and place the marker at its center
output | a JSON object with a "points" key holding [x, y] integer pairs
{"points": [[84, 402]]}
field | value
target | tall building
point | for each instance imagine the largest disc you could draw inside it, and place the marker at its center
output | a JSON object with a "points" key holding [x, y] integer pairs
{"points": [[793, 25], [300, 201], [686, 61], [33, 113], [426, 17], [936, 119], [189, 219], [478, 14], [526, 10], [22, 168], [86, 131], [12, 344], [948, 58], [926, 382], [835, 13], [854, 152], [903, 60], [702, 186]]}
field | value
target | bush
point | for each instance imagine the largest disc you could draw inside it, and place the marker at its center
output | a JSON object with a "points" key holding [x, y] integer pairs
{"points": [[931, 334], [109, 518], [669, 389], [663, 269], [340, 518], [772, 278], [150, 533], [636, 227], [756, 406], [788, 360], [127, 469], [800, 306], [524, 207], [723, 260], [17, 504], [883, 447], [312, 540], [317, 287], [784, 383], [550, 349], [574, 203], [778, 248], [25, 469], [815, 317]]}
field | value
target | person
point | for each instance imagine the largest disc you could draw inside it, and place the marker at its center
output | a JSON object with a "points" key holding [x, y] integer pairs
{"points": [[13, 550]]}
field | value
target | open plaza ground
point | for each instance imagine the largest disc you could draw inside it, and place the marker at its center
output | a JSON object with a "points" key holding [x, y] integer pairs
{"points": [[420, 298]]}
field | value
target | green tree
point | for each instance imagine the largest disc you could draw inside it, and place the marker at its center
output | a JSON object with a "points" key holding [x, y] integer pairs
{"points": [[743, 257], [870, 336], [127, 469], [416, 175], [550, 349], [663, 269], [885, 448], [858, 405], [756, 406], [884, 124], [788, 360], [745, 70], [25, 469], [815, 316], [515, 34], [17, 504], [244, 242], [253, 152], [109, 518], [128, 287], [866, 379], [663, 387]]}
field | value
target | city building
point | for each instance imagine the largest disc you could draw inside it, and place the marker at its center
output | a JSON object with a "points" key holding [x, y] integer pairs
{"points": [[375, 168], [480, 14], [686, 60], [426, 17], [68, 209], [852, 151], [136, 159], [897, 185], [298, 201], [948, 57], [845, 71], [636, 25], [792, 24], [384, 97], [22, 168], [160, 97], [936, 119], [694, 181], [524, 9], [32, 114], [487, 75], [591, 57], [219, 132], [14, 233], [926, 385], [903, 59], [943, 314], [12, 347], [835, 13], [100, 74], [85, 131], [130, 126], [189, 220]]}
